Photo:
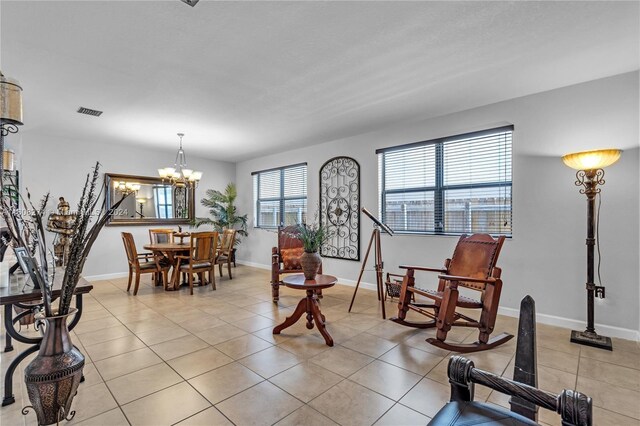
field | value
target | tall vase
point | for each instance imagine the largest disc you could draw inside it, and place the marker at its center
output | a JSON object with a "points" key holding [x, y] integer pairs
{"points": [[52, 378], [310, 263]]}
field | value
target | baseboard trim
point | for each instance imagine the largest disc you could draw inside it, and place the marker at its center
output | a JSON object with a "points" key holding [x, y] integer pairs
{"points": [[572, 324], [106, 276], [253, 264]]}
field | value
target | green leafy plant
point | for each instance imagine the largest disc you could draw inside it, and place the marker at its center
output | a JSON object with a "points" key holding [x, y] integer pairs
{"points": [[313, 236], [224, 214]]}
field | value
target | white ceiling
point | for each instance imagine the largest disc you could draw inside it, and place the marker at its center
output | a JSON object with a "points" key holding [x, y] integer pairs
{"points": [[245, 78]]}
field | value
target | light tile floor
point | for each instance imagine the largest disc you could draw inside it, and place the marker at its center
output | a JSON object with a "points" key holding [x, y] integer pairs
{"points": [[211, 359]]}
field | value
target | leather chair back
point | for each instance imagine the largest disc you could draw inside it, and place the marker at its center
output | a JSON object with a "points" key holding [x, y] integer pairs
{"points": [[161, 235], [475, 256]]}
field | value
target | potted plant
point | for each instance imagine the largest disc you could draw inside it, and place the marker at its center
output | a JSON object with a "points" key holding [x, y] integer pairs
{"points": [[224, 213], [312, 236], [53, 376]]}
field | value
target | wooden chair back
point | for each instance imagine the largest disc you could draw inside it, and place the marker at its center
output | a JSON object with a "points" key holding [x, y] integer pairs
{"points": [[475, 256], [203, 246], [161, 235], [227, 241], [287, 239], [130, 248]]}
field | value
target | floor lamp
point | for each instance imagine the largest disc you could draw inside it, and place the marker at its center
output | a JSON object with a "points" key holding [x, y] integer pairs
{"points": [[589, 175]]}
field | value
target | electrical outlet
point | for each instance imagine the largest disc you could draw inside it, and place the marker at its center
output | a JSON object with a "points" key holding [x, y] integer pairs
{"points": [[599, 291]]}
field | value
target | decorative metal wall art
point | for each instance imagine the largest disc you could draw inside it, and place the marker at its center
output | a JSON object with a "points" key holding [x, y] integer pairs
{"points": [[340, 207]]}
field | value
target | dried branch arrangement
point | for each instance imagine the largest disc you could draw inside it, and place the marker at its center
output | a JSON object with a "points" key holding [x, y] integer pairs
{"points": [[28, 230]]}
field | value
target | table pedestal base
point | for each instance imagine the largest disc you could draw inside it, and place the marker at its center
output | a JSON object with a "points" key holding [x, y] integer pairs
{"points": [[308, 305]]}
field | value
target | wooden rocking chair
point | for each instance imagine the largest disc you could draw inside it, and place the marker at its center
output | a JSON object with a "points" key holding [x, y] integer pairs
{"points": [[472, 266]]}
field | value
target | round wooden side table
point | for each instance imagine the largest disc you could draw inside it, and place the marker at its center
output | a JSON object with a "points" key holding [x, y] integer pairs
{"points": [[309, 304]]}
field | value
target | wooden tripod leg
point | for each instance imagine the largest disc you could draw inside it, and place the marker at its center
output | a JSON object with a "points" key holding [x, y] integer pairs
{"points": [[364, 264], [379, 265], [320, 322], [289, 321]]}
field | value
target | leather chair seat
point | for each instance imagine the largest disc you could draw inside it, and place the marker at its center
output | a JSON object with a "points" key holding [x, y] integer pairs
{"points": [[197, 265], [463, 301], [474, 413], [147, 265]]}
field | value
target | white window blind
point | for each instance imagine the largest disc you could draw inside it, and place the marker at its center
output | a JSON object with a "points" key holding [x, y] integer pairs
{"points": [[455, 185], [280, 196]]}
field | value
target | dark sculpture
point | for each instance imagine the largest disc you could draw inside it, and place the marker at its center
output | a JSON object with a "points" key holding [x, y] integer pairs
{"points": [[574, 408]]}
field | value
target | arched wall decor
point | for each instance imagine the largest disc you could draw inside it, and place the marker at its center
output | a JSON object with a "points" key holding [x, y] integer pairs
{"points": [[340, 207]]}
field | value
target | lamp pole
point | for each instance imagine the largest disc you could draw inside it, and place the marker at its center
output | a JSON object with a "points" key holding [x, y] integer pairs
{"points": [[590, 174], [589, 180]]}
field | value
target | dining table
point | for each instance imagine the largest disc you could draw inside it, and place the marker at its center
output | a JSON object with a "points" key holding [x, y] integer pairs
{"points": [[171, 251]]}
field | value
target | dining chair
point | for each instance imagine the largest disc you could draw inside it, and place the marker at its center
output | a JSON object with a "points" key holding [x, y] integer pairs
{"points": [[201, 259], [161, 235], [142, 263], [225, 253]]}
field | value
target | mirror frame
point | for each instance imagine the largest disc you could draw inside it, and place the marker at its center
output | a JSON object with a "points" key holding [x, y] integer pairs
{"points": [[110, 177]]}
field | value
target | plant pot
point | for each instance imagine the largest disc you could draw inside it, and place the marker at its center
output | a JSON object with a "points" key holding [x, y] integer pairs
{"points": [[52, 378], [310, 263]]}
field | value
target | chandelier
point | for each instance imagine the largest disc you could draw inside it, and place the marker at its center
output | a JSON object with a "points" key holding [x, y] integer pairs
{"points": [[179, 174], [126, 188]]}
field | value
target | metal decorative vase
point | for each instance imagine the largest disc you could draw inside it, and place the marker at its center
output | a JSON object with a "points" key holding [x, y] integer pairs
{"points": [[310, 263], [52, 378]]}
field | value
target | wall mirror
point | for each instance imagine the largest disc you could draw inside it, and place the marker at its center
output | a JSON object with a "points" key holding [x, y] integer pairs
{"points": [[152, 200]]}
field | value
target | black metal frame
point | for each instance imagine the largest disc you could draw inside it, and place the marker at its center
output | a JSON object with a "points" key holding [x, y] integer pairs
{"points": [[354, 210]]}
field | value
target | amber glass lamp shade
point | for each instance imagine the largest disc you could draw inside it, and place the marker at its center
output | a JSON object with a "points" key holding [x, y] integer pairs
{"points": [[592, 160], [10, 101]]}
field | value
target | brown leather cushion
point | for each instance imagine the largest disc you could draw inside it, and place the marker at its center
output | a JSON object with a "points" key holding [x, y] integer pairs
{"points": [[162, 238], [148, 265], [197, 265], [291, 258]]}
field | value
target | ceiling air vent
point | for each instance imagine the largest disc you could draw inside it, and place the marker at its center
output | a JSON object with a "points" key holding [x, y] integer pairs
{"points": [[88, 111], [190, 2]]}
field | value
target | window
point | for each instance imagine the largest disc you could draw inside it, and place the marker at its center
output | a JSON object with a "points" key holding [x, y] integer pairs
{"points": [[164, 202], [454, 185], [280, 196]]}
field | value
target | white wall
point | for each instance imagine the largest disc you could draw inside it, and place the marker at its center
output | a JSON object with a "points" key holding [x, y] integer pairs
{"points": [[59, 166], [546, 256]]}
